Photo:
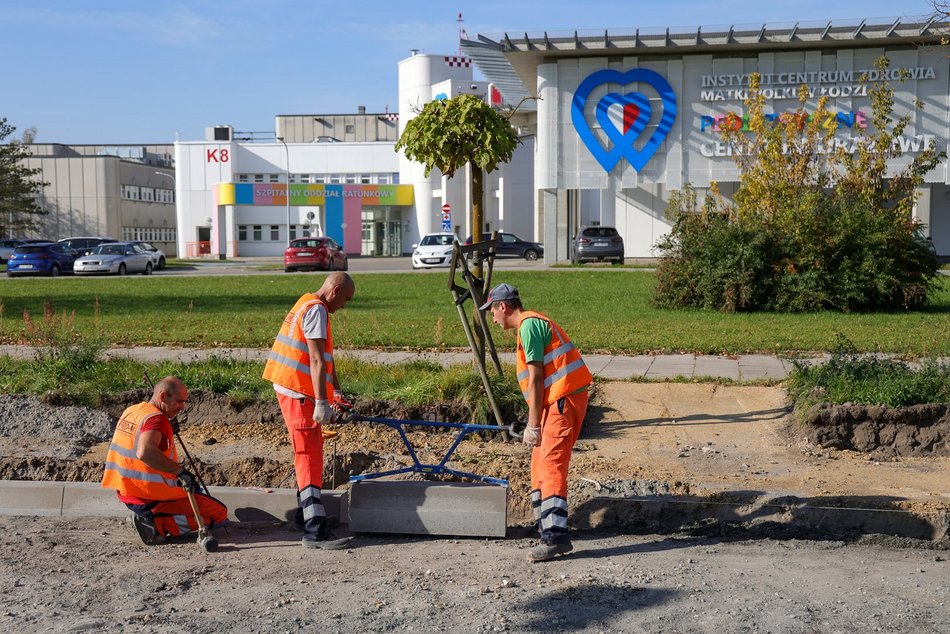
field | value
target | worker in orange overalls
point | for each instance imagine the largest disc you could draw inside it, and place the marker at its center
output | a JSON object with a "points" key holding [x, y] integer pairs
{"points": [[300, 366], [554, 381], [142, 466]]}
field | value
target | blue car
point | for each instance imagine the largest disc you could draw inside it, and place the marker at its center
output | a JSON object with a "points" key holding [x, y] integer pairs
{"points": [[41, 258]]}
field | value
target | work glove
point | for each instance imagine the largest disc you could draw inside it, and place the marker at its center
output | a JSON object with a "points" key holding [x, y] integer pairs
{"points": [[186, 480], [322, 412], [531, 436]]}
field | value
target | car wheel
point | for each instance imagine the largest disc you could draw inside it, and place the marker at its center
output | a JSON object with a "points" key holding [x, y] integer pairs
{"points": [[161, 264], [9, 274], [54, 272], [148, 269], [346, 264], [289, 269], [331, 266], [122, 269], [530, 255]]}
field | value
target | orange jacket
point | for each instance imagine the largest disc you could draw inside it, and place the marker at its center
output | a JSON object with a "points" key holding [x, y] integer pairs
{"points": [[288, 364], [126, 473], [564, 370]]}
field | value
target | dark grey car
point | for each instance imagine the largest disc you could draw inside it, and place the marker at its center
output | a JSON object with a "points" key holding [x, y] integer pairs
{"points": [[598, 243]]}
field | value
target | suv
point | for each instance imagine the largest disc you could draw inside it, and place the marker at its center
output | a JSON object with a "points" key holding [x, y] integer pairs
{"points": [[84, 245], [511, 246], [598, 243]]}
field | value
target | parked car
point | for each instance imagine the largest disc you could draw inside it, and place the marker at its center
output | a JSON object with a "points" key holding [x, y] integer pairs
{"points": [[157, 255], [315, 254], [41, 258], [511, 246], [434, 250], [118, 258], [598, 243], [83, 245], [7, 247]]}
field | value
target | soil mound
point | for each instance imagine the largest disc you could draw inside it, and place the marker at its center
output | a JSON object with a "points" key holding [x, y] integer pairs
{"points": [[917, 430]]}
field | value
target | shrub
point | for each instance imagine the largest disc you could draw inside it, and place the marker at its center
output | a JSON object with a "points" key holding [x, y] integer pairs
{"points": [[811, 227]]}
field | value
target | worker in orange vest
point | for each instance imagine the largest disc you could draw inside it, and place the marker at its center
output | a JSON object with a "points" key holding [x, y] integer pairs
{"points": [[554, 381], [142, 466], [300, 366]]}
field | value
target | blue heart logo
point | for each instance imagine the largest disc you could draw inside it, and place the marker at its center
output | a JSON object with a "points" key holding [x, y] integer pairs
{"points": [[636, 115]]}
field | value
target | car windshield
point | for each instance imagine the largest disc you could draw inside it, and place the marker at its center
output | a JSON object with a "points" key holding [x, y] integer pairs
{"points": [[437, 240], [109, 249], [600, 232]]}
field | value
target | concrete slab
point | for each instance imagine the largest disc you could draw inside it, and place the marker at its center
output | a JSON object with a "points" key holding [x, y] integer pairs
{"points": [[428, 508], [85, 499], [623, 368], [25, 497], [760, 366], [722, 367], [273, 505]]}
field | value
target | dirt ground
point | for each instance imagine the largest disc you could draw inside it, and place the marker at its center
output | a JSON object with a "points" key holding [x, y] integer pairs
{"points": [[93, 574]]}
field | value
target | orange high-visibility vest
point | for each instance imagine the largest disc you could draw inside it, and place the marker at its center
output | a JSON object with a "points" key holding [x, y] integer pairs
{"points": [[288, 364], [126, 473], [564, 370]]}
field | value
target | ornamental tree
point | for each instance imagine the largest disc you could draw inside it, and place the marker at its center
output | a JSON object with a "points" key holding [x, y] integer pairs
{"points": [[449, 133], [19, 210]]}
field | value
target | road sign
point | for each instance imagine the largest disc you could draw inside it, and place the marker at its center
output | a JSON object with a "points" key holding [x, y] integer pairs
{"points": [[446, 208]]}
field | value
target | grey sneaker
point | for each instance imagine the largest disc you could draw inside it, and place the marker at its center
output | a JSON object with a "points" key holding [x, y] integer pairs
{"points": [[549, 550], [326, 543], [146, 531]]}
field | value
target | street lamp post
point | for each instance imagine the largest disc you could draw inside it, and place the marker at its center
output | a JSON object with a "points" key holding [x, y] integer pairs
{"points": [[287, 169]]}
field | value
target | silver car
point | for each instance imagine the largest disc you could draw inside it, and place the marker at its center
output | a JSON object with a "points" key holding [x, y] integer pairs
{"points": [[117, 258], [157, 255]]}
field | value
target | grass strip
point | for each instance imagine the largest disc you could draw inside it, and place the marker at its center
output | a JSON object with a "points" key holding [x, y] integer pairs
{"points": [[603, 311]]}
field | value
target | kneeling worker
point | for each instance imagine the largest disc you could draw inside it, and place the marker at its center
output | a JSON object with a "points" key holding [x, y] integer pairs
{"points": [[142, 466], [554, 380]]}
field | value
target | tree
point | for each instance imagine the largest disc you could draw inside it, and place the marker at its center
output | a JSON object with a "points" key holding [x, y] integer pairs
{"points": [[19, 210], [450, 133]]}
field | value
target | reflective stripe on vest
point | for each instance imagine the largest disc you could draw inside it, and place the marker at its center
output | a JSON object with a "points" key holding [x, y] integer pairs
{"points": [[564, 370], [125, 472], [288, 364]]}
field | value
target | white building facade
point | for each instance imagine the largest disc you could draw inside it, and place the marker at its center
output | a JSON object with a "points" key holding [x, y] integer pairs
{"points": [[232, 195], [626, 117]]}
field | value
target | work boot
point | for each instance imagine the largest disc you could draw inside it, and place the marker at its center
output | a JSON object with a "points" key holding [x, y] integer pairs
{"points": [[147, 531], [549, 550], [330, 542]]}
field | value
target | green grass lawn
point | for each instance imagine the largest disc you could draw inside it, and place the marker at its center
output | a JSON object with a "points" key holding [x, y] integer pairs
{"points": [[601, 310]]}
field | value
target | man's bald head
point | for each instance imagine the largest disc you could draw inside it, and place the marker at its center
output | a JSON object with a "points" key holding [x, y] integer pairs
{"points": [[170, 396], [338, 288]]}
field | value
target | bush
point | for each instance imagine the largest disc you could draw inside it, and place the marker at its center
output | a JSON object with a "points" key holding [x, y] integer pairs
{"points": [[811, 227]]}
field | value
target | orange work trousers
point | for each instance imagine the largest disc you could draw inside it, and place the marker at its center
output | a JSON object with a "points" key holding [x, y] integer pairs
{"points": [[306, 437], [560, 426], [175, 517]]}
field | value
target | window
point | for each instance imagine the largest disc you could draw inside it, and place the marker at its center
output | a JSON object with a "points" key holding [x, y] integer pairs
{"points": [[130, 192], [147, 194], [318, 178], [150, 234], [242, 233], [349, 128], [258, 233], [350, 179], [395, 178], [335, 178], [273, 178], [258, 178], [244, 178], [382, 179], [365, 179], [292, 232], [275, 233]]}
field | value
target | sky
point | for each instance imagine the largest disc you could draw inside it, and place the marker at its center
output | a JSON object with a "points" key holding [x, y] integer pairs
{"points": [[153, 71]]}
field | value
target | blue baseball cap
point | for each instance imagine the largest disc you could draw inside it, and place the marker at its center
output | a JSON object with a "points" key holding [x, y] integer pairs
{"points": [[500, 293]]}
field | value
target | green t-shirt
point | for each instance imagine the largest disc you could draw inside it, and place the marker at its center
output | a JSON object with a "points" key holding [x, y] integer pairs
{"points": [[535, 336]]}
